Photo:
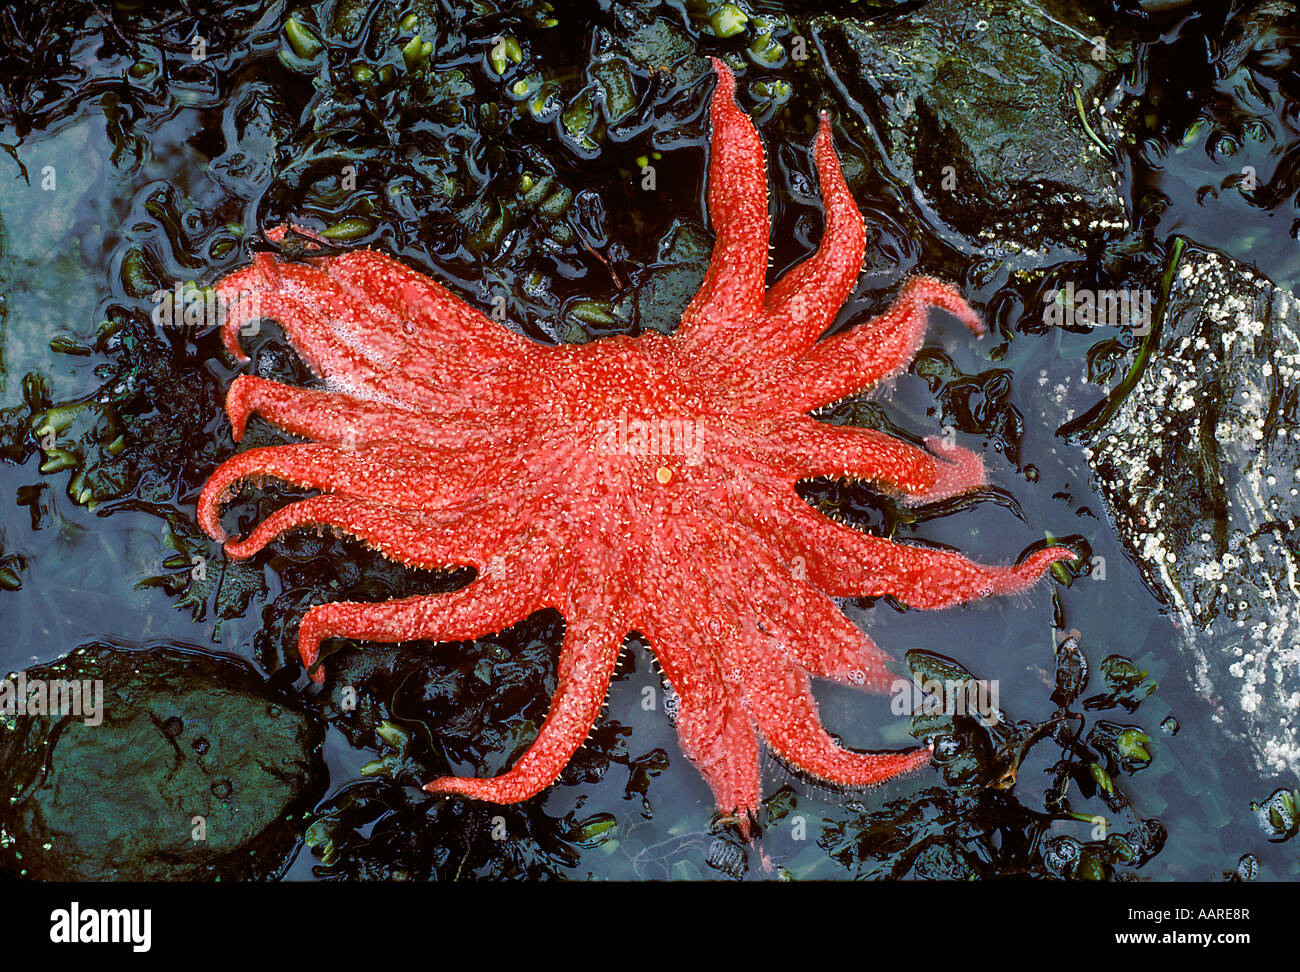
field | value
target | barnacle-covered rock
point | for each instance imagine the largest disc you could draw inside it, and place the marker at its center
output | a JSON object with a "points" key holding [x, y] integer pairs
{"points": [[1199, 463]]}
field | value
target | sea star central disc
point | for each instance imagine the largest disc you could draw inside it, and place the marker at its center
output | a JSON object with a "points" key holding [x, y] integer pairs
{"points": [[642, 484]]}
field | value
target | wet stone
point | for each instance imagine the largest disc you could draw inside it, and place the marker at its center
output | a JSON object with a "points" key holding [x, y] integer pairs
{"points": [[194, 771], [669, 284], [973, 103], [1200, 467]]}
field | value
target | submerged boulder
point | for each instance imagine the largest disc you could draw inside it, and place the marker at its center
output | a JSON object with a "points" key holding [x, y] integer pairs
{"points": [[990, 109], [173, 765], [1200, 465]]}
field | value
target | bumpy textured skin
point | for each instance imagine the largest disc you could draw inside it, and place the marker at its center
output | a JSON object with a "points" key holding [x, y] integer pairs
{"points": [[445, 439]]}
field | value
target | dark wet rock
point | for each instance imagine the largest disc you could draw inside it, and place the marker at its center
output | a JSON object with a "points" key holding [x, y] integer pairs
{"points": [[1266, 33], [668, 285], [182, 736], [973, 103], [1200, 466]]}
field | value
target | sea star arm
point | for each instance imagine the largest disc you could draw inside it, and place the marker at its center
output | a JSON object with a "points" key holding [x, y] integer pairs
{"points": [[338, 419], [433, 316], [844, 562], [804, 302], [927, 578], [588, 657], [854, 360], [684, 627], [401, 535], [379, 305], [398, 475], [772, 593], [715, 730], [807, 625], [717, 735], [813, 448], [779, 696], [325, 349], [736, 278], [487, 604]]}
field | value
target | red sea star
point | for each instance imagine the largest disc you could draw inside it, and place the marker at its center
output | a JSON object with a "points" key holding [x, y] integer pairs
{"points": [[634, 484]]}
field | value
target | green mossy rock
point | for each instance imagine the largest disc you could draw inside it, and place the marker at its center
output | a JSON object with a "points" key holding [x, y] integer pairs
{"points": [[183, 736]]}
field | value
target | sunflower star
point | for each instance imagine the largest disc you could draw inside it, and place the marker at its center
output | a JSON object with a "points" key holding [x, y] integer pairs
{"points": [[640, 484]]}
